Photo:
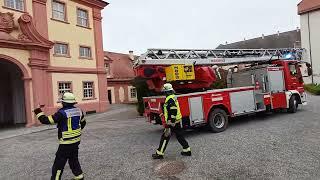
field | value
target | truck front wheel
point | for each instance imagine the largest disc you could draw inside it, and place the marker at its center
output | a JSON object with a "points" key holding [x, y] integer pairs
{"points": [[293, 104], [218, 120]]}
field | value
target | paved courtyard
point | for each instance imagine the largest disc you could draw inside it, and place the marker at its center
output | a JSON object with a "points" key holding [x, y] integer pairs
{"points": [[119, 144]]}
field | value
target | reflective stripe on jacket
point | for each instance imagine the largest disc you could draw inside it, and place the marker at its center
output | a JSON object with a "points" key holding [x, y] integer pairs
{"points": [[174, 117], [70, 127]]}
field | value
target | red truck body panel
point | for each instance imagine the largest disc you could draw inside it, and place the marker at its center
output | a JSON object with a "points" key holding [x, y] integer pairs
{"points": [[196, 107]]}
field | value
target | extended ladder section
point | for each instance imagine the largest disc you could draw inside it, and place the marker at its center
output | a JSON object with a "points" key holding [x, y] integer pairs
{"points": [[216, 56]]}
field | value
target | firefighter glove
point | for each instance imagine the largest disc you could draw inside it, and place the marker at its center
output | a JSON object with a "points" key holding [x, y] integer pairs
{"points": [[167, 132], [170, 123]]}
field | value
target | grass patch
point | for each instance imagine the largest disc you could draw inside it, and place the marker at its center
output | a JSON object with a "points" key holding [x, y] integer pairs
{"points": [[313, 88]]}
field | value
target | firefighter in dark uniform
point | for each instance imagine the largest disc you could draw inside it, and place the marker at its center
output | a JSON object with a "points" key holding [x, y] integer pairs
{"points": [[70, 121], [172, 117]]}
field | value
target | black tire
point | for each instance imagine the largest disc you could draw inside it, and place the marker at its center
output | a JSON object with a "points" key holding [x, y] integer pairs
{"points": [[218, 120], [293, 104]]}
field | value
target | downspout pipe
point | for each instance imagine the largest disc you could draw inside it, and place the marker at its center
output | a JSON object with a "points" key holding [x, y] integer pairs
{"points": [[310, 46]]}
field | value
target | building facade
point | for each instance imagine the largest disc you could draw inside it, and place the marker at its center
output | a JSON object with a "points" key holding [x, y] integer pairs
{"points": [[120, 74], [309, 11], [48, 47]]}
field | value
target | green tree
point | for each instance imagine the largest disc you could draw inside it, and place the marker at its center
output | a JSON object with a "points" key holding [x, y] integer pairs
{"points": [[142, 91]]}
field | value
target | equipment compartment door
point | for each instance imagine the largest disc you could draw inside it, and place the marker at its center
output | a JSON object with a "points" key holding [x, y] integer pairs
{"points": [[196, 110], [242, 102]]}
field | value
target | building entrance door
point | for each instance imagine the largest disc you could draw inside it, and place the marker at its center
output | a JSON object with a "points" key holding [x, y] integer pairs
{"points": [[110, 96], [12, 100]]}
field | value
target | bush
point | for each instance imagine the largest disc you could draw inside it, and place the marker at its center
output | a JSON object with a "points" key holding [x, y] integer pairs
{"points": [[313, 88], [142, 91], [219, 84]]}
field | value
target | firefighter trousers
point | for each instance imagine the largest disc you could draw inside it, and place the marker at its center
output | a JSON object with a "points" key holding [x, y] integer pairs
{"points": [[67, 153], [178, 131]]}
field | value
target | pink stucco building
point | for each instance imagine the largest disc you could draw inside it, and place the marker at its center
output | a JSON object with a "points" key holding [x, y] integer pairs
{"points": [[119, 76], [48, 47]]}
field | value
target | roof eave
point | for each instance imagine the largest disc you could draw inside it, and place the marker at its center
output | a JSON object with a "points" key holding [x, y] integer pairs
{"points": [[99, 3], [304, 11]]}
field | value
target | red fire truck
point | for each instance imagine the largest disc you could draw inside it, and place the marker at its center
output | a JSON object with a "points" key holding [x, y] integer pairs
{"points": [[257, 80]]}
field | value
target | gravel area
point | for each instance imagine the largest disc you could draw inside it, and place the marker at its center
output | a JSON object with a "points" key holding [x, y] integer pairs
{"points": [[119, 146]]}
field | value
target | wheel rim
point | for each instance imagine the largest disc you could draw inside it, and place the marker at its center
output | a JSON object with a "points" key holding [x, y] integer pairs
{"points": [[295, 103], [219, 120]]}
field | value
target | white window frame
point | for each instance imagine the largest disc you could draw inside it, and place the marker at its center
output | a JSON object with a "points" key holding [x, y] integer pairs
{"points": [[58, 50], [59, 12], [64, 87], [108, 69], [130, 98], [86, 52], [133, 93], [87, 88], [82, 17], [13, 4]]}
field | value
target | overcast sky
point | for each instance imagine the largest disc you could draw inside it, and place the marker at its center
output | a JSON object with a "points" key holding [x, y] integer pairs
{"points": [[141, 24]]}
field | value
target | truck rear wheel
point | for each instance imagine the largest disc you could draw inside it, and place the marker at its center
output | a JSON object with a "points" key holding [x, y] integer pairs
{"points": [[293, 104], [218, 120]]}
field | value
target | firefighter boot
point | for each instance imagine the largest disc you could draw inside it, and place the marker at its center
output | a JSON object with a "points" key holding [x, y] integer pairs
{"points": [[157, 155], [186, 152], [80, 177]]}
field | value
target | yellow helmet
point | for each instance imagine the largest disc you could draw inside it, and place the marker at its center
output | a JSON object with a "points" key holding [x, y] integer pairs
{"points": [[69, 98], [167, 87]]}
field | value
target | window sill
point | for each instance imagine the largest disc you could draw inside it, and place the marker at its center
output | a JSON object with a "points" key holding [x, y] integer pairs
{"points": [[83, 26], [86, 58], [88, 99], [5, 7], [58, 20], [61, 55]]}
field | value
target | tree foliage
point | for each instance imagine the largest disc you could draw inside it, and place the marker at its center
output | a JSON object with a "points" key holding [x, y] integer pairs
{"points": [[142, 91]]}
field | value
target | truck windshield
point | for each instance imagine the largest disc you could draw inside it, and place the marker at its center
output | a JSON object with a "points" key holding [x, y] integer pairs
{"points": [[293, 69]]}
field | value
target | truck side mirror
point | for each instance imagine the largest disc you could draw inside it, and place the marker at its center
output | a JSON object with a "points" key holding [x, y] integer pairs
{"points": [[309, 69]]}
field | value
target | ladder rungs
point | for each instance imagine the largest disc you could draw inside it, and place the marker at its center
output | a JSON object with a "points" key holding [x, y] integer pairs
{"points": [[214, 56], [216, 61]]}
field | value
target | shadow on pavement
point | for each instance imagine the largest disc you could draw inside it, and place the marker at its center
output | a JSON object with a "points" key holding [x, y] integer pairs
{"points": [[240, 121]]}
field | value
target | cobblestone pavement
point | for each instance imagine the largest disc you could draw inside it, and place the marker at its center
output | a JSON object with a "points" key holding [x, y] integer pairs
{"points": [[118, 145]]}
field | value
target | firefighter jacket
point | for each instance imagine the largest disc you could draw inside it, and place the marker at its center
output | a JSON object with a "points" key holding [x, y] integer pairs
{"points": [[70, 121], [171, 109]]}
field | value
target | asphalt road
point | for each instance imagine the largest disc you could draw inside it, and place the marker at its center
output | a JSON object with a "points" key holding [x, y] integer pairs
{"points": [[119, 146]]}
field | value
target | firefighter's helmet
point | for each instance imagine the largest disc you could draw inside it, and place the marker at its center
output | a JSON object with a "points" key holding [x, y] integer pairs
{"points": [[68, 98], [167, 87]]}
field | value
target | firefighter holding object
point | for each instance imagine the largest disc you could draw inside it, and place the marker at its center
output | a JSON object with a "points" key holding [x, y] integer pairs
{"points": [[70, 121], [172, 117]]}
